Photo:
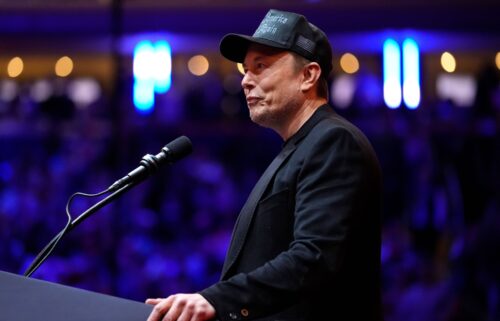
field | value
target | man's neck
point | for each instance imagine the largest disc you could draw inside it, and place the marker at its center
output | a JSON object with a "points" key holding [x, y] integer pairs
{"points": [[301, 116]]}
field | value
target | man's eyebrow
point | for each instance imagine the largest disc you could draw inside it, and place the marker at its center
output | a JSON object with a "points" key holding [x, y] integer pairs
{"points": [[256, 59]]}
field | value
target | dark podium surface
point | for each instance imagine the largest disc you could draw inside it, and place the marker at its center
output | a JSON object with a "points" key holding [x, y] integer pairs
{"points": [[27, 299]]}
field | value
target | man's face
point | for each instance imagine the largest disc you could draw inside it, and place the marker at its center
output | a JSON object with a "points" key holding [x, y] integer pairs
{"points": [[271, 85]]}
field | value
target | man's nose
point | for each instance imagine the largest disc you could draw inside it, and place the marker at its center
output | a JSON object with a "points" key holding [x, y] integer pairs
{"points": [[247, 82]]}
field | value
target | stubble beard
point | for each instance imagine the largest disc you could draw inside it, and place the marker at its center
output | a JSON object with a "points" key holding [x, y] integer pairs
{"points": [[275, 118]]}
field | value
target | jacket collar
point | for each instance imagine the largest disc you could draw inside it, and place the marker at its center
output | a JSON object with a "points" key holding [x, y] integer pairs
{"points": [[321, 113]]}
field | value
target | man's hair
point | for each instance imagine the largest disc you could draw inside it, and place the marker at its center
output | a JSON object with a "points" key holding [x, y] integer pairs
{"points": [[322, 88]]}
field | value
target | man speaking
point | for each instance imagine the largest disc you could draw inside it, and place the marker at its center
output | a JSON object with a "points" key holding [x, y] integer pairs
{"points": [[306, 245]]}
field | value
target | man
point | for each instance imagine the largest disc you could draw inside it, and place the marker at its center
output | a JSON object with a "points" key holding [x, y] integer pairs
{"points": [[306, 244]]}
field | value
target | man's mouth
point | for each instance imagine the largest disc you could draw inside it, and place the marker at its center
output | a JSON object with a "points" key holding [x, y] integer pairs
{"points": [[252, 100]]}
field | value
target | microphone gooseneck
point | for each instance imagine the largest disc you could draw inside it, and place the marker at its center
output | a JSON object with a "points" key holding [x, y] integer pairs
{"points": [[172, 152]]}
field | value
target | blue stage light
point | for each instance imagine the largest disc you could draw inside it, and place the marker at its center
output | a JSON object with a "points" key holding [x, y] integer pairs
{"points": [[144, 96], [163, 72], [144, 60], [411, 73], [392, 73], [152, 68]]}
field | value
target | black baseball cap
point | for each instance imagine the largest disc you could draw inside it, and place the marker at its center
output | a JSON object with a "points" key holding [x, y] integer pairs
{"points": [[283, 30]]}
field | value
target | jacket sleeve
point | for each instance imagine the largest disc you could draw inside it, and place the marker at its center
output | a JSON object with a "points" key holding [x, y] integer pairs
{"points": [[328, 184]]}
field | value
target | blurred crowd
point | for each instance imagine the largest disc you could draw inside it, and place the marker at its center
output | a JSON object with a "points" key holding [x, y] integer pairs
{"points": [[169, 234]]}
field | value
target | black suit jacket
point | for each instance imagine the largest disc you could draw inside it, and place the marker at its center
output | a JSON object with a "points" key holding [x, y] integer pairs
{"points": [[306, 245]]}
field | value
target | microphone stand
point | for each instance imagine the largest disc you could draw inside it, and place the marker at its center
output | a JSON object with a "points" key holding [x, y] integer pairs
{"points": [[173, 151], [40, 258]]}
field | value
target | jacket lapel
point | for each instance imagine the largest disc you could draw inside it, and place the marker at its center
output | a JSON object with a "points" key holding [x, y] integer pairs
{"points": [[245, 218]]}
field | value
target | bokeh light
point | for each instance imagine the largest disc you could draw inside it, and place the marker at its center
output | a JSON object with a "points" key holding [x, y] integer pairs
{"points": [[342, 89], [9, 90], [349, 63], [163, 67], [448, 62], [392, 73], [198, 65], [64, 66], [411, 73], [15, 67], [84, 91], [41, 90]]}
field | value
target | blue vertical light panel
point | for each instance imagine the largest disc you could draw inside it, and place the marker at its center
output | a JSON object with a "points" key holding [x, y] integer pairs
{"points": [[163, 71], [411, 73], [392, 73], [152, 69], [143, 68]]}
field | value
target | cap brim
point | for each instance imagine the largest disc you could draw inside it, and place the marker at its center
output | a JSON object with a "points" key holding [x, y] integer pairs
{"points": [[235, 46]]}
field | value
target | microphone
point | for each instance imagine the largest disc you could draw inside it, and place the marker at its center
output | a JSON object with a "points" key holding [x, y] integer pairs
{"points": [[172, 152]]}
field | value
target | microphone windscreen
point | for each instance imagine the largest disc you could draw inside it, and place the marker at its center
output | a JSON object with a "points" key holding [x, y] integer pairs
{"points": [[178, 148]]}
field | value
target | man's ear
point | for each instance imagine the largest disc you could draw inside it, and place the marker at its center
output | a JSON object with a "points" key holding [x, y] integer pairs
{"points": [[311, 73]]}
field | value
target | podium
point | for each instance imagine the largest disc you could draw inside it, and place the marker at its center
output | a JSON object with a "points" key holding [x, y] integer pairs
{"points": [[26, 299]]}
